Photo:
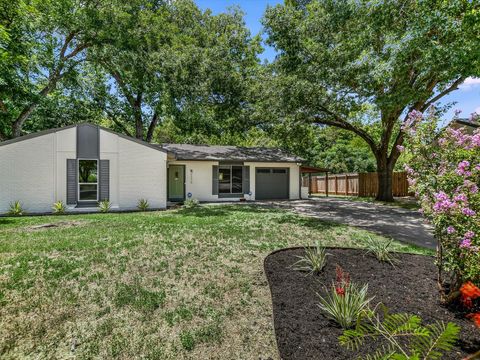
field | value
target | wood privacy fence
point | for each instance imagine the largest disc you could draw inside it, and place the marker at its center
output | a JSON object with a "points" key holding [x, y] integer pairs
{"points": [[361, 184]]}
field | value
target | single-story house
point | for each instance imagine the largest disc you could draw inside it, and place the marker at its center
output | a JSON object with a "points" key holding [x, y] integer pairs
{"points": [[83, 164]]}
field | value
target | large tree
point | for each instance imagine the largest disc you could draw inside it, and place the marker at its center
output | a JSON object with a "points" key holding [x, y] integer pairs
{"points": [[169, 60], [42, 44], [336, 56]]}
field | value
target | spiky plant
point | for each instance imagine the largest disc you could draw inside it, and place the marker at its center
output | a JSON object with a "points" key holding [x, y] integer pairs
{"points": [[403, 335], [380, 248], [59, 207], [190, 203], [16, 209], [345, 304], [143, 204], [104, 206], [313, 261]]}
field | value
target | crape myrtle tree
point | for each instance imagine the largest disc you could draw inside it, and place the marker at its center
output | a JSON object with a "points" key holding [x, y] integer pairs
{"points": [[169, 60], [336, 56], [42, 45]]}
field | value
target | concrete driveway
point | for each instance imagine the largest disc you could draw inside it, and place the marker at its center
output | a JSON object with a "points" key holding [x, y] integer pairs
{"points": [[401, 224]]}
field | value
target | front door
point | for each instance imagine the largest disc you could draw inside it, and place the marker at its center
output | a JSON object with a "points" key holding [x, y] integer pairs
{"points": [[176, 183]]}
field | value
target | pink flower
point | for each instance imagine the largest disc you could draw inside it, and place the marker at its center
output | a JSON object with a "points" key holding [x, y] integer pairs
{"points": [[462, 168], [460, 197], [400, 148], [443, 203], [466, 243], [450, 230], [468, 212], [469, 234]]}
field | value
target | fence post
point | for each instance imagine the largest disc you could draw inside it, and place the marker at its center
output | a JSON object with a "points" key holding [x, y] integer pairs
{"points": [[336, 185], [346, 184], [326, 184]]}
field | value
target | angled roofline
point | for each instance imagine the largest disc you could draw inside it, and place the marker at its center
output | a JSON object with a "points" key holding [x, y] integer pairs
{"points": [[54, 130]]}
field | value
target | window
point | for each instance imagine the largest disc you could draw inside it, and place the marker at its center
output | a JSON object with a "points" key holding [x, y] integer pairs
{"points": [[230, 179], [87, 180], [279, 171], [263, 171]]}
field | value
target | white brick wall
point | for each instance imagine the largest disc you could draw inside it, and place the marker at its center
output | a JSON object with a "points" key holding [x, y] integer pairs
{"points": [[27, 173]]}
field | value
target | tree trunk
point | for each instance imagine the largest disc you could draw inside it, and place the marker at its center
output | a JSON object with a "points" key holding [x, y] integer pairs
{"points": [[385, 180]]}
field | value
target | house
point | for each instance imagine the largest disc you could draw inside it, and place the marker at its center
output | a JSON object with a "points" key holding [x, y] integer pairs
{"points": [[83, 164]]}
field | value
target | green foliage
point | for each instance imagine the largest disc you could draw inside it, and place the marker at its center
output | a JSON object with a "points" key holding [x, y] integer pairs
{"points": [[332, 69], [313, 261], [444, 172], [16, 209], [59, 207], [191, 203], [380, 248], [138, 298], [104, 206], [345, 308], [143, 204], [404, 335]]}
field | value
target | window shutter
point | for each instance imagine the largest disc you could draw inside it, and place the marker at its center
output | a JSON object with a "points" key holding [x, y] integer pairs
{"points": [[104, 180], [71, 181], [246, 179], [215, 180]]}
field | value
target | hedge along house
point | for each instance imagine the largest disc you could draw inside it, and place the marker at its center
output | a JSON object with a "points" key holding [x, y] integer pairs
{"points": [[84, 164]]}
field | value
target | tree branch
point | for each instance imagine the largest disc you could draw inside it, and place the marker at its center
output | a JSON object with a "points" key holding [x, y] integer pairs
{"points": [[151, 127], [452, 87], [339, 122], [118, 123], [116, 75]]}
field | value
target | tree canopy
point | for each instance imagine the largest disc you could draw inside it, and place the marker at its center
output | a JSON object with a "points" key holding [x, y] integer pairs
{"points": [[337, 56]]}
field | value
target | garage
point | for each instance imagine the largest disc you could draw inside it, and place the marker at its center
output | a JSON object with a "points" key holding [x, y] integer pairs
{"points": [[271, 183]]}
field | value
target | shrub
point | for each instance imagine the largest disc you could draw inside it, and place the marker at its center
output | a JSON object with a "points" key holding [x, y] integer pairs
{"points": [[344, 301], [16, 209], [313, 261], [59, 207], [405, 337], [444, 173], [104, 206], [191, 203], [143, 204], [380, 249]]}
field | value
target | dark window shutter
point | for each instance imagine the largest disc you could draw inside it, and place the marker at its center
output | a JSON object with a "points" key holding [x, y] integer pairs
{"points": [[246, 179], [104, 180], [215, 180], [71, 181]]}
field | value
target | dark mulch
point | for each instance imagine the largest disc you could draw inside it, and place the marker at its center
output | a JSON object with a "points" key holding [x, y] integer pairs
{"points": [[302, 331]]}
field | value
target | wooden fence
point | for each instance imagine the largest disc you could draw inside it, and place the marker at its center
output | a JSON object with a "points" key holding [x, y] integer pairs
{"points": [[361, 184]]}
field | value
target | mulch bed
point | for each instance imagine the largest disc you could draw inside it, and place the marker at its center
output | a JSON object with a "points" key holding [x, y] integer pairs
{"points": [[302, 331]]}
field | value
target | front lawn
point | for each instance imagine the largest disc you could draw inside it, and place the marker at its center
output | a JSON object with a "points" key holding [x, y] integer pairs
{"points": [[172, 284]]}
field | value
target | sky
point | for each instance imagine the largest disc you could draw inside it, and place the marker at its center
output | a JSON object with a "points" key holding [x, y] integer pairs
{"points": [[467, 97]]}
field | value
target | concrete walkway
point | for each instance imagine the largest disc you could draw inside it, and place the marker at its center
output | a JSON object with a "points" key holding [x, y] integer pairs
{"points": [[401, 224]]}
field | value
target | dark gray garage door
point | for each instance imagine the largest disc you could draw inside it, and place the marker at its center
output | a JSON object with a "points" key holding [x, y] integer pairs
{"points": [[271, 183]]}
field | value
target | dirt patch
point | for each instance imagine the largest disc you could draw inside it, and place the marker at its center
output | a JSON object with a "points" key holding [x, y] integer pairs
{"points": [[59, 224], [302, 331]]}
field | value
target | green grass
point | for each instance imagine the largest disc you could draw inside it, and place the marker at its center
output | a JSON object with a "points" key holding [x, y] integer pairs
{"points": [[155, 285]]}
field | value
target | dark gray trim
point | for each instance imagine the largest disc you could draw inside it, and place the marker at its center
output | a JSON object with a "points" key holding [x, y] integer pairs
{"points": [[88, 142], [184, 183], [104, 180], [214, 180], [72, 183], [230, 163], [232, 196], [271, 168]]}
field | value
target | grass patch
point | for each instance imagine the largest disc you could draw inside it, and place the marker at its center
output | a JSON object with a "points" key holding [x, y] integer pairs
{"points": [[159, 285]]}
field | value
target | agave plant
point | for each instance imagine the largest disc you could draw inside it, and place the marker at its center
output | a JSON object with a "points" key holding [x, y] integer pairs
{"points": [[59, 207], [16, 208], [313, 261], [381, 249], [143, 204], [104, 206]]}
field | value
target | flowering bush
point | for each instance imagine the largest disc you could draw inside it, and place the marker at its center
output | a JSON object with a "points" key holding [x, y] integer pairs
{"points": [[444, 173]]}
